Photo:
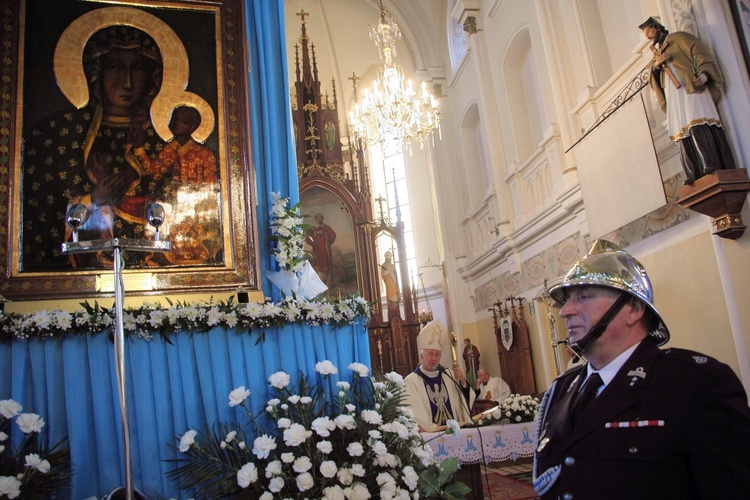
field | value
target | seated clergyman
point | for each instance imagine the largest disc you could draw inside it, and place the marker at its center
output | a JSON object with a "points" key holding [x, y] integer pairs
{"points": [[491, 388]]}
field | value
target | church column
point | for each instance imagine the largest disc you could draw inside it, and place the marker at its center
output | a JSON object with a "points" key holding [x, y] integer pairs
{"points": [[490, 120], [553, 61]]}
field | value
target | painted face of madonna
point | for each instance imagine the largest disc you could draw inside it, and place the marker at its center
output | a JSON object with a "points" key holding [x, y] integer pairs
{"points": [[125, 80]]}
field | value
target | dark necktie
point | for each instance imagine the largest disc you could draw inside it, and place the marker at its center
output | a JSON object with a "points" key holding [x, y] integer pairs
{"points": [[586, 396]]}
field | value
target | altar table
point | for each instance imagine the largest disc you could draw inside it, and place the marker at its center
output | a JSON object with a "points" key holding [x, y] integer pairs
{"points": [[481, 445], [491, 443]]}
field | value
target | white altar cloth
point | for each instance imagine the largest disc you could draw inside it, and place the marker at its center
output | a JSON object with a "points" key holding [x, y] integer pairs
{"points": [[486, 444]]}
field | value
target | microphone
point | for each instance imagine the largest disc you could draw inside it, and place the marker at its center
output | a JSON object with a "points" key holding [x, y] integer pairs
{"points": [[441, 368]]}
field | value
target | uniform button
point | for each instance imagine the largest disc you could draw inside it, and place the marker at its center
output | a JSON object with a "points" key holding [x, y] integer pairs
{"points": [[633, 449], [569, 461], [567, 496]]}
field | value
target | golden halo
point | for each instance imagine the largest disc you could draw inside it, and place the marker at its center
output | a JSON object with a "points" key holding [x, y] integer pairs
{"points": [[70, 76]]}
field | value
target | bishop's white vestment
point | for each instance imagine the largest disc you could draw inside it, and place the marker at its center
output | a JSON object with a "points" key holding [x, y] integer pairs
{"points": [[446, 398]]}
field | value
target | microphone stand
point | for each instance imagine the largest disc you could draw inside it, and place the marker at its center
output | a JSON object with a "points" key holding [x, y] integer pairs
{"points": [[459, 387], [118, 246]]}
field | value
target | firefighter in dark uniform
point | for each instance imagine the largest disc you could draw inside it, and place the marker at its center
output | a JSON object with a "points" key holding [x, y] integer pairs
{"points": [[661, 423]]}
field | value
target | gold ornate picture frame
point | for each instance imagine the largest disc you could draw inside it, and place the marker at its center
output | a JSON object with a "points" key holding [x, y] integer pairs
{"points": [[70, 134]]}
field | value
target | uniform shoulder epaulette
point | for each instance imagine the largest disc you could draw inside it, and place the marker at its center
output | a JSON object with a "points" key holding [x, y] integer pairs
{"points": [[689, 357]]}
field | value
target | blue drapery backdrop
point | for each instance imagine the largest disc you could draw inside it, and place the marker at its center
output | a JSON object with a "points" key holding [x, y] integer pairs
{"points": [[71, 383], [273, 147]]}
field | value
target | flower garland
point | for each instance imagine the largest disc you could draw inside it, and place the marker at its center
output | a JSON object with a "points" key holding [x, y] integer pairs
{"points": [[357, 442], [288, 231], [152, 318]]}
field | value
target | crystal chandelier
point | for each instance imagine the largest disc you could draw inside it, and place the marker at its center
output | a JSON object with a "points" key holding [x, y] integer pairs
{"points": [[393, 109]]}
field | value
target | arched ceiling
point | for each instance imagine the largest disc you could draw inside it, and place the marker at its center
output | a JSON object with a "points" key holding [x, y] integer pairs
{"points": [[339, 29]]}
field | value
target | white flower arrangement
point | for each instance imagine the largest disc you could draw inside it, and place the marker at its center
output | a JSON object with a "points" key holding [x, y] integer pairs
{"points": [[515, 409], [31, 470], [288, 231], [152, 318], [360, 443]]}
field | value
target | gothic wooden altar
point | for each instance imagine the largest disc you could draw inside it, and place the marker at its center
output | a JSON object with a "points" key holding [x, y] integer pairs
{"points": [[513, 347], [336, 194]]}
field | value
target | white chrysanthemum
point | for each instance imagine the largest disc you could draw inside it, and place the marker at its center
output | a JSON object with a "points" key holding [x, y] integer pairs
{"points": [[323, 426], [283, 423], [334, 493], [30, 422], [388, 460], [294, 399], [263, 445], [328, 468], [267, 495], [305, 400], [360, 369], [343, 384], [453, 427], [345, 422], [379, 448], [410, 477], [372, 417], [238, 396], [357, 491], [386, 482], [3, 436], [325, 447], [10, 486], [276, 484], [374, 434], [186, 440], [345, 476], [296, 434], [396, 428], [358, 470], [325, 368], [355, 449], [305, 481], [230, 436], [9, 408], [287, 457], [302, 464], [35, 461], [247, 475], [273, 469], [395, 378]]}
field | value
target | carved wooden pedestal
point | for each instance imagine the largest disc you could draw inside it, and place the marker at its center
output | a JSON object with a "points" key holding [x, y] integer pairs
{"points": [[719, 195]]}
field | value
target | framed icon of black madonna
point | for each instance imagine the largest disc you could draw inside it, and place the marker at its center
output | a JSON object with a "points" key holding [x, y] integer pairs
{"points": [[117, 106]]}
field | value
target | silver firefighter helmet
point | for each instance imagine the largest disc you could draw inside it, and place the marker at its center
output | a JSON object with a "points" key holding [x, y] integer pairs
{"points": [[608, 265]]}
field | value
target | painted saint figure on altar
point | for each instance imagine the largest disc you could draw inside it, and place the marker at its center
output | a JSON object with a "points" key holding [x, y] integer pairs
{"points": [[320, 237]]}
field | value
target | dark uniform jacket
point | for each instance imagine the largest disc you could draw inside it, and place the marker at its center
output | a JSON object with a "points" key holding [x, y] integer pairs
{"points": [[671, 424]]}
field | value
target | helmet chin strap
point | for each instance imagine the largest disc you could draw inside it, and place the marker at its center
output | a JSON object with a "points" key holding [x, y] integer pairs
{"points": [[580, 347]]}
